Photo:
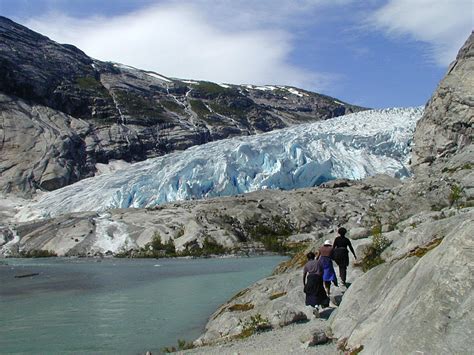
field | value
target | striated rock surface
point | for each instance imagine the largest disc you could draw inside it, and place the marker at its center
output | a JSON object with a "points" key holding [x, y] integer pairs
{"points": [[41, 147], [125, 113], [446, 128], [418, 301]]}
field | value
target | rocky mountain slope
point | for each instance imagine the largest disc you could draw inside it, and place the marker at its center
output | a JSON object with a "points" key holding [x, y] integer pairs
{"points": [[63, 112]]}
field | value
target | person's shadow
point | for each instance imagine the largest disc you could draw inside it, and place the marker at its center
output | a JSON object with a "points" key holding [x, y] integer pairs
{"points": [[326, 312]]}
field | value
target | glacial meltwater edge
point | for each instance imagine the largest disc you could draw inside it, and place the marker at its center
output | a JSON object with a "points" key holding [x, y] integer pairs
{"points": [[119, 306]]}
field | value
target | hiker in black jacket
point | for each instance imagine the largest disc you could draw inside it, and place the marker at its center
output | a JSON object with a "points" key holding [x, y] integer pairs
{"points": [[341, 254]]}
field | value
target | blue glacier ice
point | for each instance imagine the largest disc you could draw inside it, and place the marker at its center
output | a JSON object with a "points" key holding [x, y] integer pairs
{"points": [[352, 146]]}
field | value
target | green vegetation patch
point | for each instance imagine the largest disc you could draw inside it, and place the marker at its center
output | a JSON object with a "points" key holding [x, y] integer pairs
{"points": [[211, 247], [297, 261], [255, 324], [199, 107], [241, 307], [182, 345], [154, 249], [372, 256], [420, 251], [277, 295], [467, 166], [208, 90], [455, 194], [275, 226], [141, 108], [227, 110], [41, 253], [90, 83], [172, 106], [157, 249], [272, 233]]}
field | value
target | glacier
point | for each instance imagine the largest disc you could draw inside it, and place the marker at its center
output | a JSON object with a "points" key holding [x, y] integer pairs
{"points": [[353, 146]]}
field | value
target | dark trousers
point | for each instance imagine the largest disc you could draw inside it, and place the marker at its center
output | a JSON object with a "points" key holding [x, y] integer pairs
{"points": [[343, 272]]}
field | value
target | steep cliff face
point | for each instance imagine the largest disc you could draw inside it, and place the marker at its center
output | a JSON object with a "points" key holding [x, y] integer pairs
{"points": [[446, 128], [127, 114], [40, 146]]}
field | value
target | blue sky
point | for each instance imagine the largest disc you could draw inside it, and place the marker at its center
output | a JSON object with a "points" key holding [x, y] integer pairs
{"points": [[374, 53]]}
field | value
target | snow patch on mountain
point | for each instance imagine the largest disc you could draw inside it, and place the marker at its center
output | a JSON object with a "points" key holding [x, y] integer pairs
{"points": [[157, 76], [353, 146], [295, 92], [113, 165]]}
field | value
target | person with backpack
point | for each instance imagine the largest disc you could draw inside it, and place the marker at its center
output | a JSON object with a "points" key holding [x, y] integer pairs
{"points": [[341, 254]]}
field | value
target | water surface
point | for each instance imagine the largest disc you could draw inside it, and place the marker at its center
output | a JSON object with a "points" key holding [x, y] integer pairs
{"points": [[115, 306]]}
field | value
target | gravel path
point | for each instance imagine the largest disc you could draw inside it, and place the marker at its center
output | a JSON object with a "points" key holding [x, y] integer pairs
{"points": [[279, 341]]}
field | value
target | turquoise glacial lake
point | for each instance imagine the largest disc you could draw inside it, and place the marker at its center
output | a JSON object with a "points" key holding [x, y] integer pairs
{"points": [[115, 306]]}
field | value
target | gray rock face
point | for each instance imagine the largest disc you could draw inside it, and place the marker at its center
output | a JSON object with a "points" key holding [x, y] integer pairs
{"points": [[415, 304], [123, 113], [446, 126], [41, 147]]}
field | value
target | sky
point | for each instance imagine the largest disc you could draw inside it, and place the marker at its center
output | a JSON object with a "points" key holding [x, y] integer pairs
{"points": [[373, 53]]}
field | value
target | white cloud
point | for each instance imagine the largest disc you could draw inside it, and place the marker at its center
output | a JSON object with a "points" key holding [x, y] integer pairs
{"points": [[443, 24], [251, 13], [190, 41]]}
